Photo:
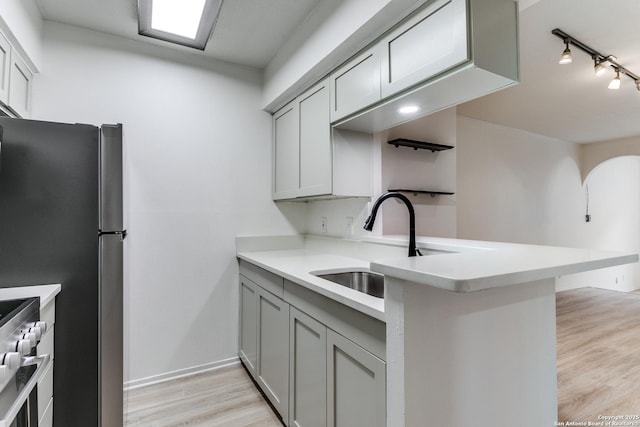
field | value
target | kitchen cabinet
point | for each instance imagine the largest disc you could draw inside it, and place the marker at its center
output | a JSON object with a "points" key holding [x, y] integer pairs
{"points": [[356, 385], [286, 152], [307, 371], [273, 350], [327, 357], [264, 334], [356, 84], [20, 81], [248, 342], [428, 43], [315, 141], [310, 159], [15, 80], [302, 146], [5, 68], [447, 52]]}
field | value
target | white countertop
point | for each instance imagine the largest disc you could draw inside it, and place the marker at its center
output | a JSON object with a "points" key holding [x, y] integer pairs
{"points": [[460, 266], [47, 293], [296, 265], [475, 265]]}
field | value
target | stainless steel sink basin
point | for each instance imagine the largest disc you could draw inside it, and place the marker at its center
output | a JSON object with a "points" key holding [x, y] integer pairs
{"points": [[362, 281]]}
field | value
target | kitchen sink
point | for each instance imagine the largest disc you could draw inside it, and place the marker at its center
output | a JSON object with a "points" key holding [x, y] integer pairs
{"points": [[362, 281]]}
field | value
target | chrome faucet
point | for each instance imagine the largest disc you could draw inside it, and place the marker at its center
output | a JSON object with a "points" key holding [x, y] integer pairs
{"points": [[368, 224]]}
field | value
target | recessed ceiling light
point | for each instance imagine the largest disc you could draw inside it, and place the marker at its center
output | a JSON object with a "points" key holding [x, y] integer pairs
{"points": [[181, 18], [408, 109], [186, 22]]}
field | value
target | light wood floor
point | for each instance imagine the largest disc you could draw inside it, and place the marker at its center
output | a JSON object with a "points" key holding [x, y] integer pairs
{"points": [[223, 397], [598, 354], [598, 373]]}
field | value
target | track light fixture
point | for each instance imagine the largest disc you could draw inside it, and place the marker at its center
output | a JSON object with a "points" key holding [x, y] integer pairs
{"points": [[565, 58], [599, 67], [601, 63]]}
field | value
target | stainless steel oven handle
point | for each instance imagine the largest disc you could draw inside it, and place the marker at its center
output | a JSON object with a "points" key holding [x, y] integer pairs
{"points": [[43, 361]]}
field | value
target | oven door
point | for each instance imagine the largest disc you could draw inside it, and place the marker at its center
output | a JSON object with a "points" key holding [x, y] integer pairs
{"points": [[19, 398]]}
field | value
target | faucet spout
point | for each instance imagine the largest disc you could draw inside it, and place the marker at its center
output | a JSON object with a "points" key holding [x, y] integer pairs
{"points": [[368, 224]]}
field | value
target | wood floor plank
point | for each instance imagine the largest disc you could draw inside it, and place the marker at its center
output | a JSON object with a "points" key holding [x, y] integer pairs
{"points": [[598, 346], [223, 397]]}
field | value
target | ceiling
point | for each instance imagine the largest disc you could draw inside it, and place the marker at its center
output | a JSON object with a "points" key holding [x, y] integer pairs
{"points": [[569, 102], [247, 32], [565, 102]]}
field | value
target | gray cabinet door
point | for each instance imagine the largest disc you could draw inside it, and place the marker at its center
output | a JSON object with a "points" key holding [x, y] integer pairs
{"points": [[273, 350], [432, 41], [307, 371], [248, 341], [356, 385], [286, 152], [315, 141], [356, 84]]}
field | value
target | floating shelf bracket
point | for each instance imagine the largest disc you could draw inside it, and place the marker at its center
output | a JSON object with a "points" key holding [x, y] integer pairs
{"points": [[432, 193], [419, 144]]}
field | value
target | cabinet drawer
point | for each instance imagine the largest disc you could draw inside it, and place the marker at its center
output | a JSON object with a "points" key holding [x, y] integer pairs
{"points": [[430, 42], [267, 280]]}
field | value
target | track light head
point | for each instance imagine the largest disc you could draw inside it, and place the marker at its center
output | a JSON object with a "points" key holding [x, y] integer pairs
{"points": [[638, 84], [565, 58], [615, 83], [599, 67]]}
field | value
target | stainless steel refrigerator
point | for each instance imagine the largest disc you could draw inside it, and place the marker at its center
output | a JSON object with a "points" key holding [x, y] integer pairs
{"points": [[61, 222]]}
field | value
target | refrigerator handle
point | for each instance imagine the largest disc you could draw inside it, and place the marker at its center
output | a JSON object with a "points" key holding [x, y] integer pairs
{"points": [[122, 233]]}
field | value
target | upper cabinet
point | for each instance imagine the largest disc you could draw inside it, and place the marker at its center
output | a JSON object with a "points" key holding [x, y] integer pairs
{"points": [[431, 41], [445, 53], [15, 81], [5, 67], [311, 160], [20, 80], [356, 84], [302, 146]]}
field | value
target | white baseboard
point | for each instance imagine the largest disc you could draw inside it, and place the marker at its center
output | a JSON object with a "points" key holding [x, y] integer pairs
{"points": [[168, 376]]}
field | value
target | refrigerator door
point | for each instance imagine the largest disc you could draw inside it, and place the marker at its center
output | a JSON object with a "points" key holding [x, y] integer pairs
{"points": [[111, 178], [111, 326], [111, 234]]}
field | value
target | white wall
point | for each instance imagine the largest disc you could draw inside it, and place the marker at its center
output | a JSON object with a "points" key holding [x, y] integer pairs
{"points": [[197, 148], [516, 186], [406, 168], [614, 205]]}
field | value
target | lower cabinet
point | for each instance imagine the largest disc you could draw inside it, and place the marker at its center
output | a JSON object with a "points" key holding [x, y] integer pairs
{"points": [[273, 350], [356, 385], [307, 371], [248, 342], [312, 375]]}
